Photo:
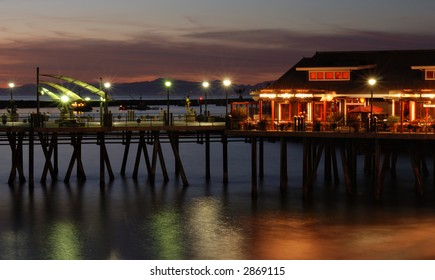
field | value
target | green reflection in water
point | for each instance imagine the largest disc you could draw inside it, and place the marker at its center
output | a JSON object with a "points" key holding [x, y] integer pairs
{"points": [[167, 231], [13, 245], [63, 242], [212, 234]]}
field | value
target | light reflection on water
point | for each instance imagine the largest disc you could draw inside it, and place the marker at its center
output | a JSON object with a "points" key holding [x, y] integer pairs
{"points": [[132, 220]]}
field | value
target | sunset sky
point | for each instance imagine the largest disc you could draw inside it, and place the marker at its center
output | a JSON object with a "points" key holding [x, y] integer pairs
{"points": [[249, 41]]}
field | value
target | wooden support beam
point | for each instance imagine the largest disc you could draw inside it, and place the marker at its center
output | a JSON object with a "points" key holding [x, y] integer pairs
{"points": [[207, 157], [261, 162], [346, 171], [225, 159], [31, 159], [334, 162], [254, 191], [141, 148], [328, 162], [152, 175], [313, 169], [100, 142], [306, 166], [104, 160], [161, 158], [377, 170], [416, 168], [174, 144], [283, 164], [76, 142], [126, 143], [17, 156], [47, 150]]}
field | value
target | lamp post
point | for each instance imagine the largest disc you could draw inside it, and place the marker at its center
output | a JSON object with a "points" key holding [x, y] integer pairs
{"points": [[11, 87], [205, 85], [372, 83], [227, 84], [65, 107], [168, 85], [106, 106]]}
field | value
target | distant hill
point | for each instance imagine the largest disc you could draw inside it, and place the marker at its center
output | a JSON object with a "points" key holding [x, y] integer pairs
{"points": [[145, 90]]}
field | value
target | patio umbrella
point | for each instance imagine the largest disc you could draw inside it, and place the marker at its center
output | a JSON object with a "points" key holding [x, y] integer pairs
{"points": [[367, 109]]}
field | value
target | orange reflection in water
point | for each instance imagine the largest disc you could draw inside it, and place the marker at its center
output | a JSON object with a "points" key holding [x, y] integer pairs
{"points": [[288, 238]]}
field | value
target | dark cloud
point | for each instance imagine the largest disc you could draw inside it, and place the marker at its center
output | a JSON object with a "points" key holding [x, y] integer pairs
{"points": [[248, 56]]}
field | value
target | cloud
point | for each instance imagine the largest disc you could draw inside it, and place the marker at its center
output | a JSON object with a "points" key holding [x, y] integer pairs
{"points": [[248, 56]]}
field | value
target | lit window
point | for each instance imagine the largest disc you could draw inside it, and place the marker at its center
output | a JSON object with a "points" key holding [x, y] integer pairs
{"points": [[320, 75], [330, 75], [430, 74]]}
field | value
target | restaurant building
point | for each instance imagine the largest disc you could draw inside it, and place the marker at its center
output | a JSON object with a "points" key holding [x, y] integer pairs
{"points": [[402, 83]]}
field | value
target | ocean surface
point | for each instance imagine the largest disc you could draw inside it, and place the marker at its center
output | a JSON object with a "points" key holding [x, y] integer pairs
{"points": [[130, 219]]}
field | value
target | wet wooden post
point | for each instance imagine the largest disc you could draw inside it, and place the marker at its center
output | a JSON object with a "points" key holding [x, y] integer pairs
{"points": [[254, 167], [346, 171], [416, 168], [352, 159], [17, 156], [261, 160], [126, 150], [31, 159], [283, 164], [225, 159], [76, 142], [334, 162], [157, 151], [306, 165], [207, 157], [175, 142], [141, 147], [55, 154], [102, 169], [175, 149], [377, 170], [104, 160], [47, 150], [328, 161]]}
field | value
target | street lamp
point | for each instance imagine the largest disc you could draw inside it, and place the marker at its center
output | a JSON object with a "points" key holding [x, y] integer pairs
{"points": [[372, 83], [11, 87], [205, 85], [168, 85], [65, 106], [227, 84], [107, 86]]}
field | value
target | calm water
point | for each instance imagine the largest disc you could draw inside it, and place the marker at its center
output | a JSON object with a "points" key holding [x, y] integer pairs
{"points": [[132, 220]]}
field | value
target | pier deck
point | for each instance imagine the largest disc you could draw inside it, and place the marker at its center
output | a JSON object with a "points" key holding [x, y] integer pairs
{"points": [[337, 148]]}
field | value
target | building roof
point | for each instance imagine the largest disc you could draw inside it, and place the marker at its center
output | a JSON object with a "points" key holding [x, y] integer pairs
{"points": [[394, 70]]}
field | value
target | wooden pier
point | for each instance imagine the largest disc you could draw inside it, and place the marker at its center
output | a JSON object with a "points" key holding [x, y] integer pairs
{"points": [[339, 151]]}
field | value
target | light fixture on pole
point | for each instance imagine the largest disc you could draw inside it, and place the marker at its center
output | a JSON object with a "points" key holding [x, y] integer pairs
{"points": [[168, 85], [11, 87], [205, 85], [227, 84], [372, 83], [107, 86]]}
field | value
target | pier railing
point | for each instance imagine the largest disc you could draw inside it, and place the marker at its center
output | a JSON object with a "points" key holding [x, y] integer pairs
{"points": [[144, 119], [116, 119]]}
